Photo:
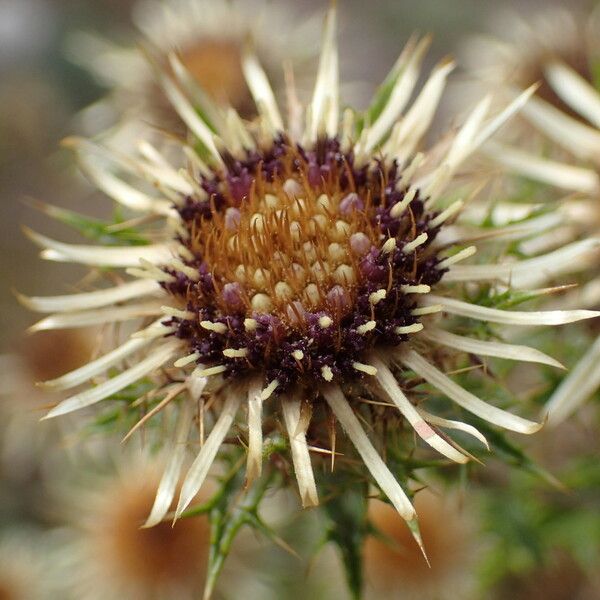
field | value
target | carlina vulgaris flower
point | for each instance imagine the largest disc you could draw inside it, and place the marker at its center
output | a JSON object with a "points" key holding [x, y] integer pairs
{"points": [[107, 553], [564, 117], [519, 45], [209, 37], [296, 268]]}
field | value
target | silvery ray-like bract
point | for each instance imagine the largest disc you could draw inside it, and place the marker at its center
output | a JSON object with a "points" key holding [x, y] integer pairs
{"points": [[562, 54], [302, 265]]}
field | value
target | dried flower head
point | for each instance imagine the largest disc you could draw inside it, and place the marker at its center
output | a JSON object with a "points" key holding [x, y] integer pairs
{"points": [[301, 270], [528, 43], [209, 37], [561, 53], [108, 553]]}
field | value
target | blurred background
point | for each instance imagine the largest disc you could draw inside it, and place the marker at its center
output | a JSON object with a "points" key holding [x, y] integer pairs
{"points": [[526, 539]]}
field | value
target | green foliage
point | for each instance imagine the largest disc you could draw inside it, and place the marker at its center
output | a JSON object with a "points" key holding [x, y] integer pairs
{"points": [[531, 522], [235, 505], [108, 233], [379, 101], [346, 512]]}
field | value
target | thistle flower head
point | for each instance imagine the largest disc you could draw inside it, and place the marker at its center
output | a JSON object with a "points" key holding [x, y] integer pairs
{"points": [[111, 554], [297, 263], [24, 566], [558, 50], [209, 37], [561, 51], [303, 260], [520, 47], [24, 445]]}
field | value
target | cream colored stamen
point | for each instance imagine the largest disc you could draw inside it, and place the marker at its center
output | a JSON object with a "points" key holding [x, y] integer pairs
{"points": [[327, 373], [216, 327], [366, 327], [325, 322], [235, 352], [377, 296]]}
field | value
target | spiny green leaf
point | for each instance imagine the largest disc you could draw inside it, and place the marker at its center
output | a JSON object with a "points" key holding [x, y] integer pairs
{"points": [[346, 511], [103, 232], [228, 515]]}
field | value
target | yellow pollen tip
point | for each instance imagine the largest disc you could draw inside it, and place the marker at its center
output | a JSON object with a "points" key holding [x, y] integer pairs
{"points": [[368, 369], [216, 327], [186, 315], [212, 371], [283, 291], [414, 328], [366, 327], [323, 202], [415, 289], [235, 353], [389, 246], [268, 391], [325, 322], [411, 246], [454, 208], [261, 303], [377, 296], [327, 373], [186, 360], [250, 324], [451, 260], [344, 275], [427, 310], [401, 206]]}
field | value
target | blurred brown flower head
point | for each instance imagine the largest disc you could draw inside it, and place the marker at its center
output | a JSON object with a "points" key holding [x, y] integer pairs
{"points": [[110, 554], [209, 37]]}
